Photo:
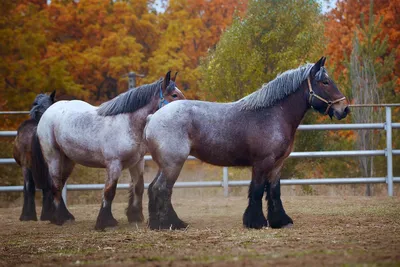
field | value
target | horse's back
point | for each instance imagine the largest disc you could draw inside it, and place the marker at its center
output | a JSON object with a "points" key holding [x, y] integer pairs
{"points": [[72, 106], [218, 133], [198, 128], [75, 129], [22, 143]]}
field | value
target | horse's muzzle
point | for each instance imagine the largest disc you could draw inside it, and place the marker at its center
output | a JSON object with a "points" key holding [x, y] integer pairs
{"points": [[341, 111]]}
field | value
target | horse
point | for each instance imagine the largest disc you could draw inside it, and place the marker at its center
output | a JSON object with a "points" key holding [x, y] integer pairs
{"points": [[257, 130], [109, 136], [22, 153]]}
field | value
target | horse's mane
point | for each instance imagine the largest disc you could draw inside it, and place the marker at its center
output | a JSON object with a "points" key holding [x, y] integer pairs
{"points": [[36, 113], [283, 85], [131, 100]]}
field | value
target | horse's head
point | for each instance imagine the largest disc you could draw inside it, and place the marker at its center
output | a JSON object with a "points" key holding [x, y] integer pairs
{"points": [[169, 91], [41, 104], [324, 96]]}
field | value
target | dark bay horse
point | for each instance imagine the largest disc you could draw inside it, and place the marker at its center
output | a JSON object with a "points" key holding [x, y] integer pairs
{"points": [[109, 136], [23, 156], [258, 131]]}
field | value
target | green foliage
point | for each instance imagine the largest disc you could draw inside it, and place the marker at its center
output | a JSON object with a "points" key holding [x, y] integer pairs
{"points": [[272, 38]]}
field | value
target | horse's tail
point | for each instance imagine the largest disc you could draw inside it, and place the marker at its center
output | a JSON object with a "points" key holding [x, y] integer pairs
{"points": [[40, 171]]}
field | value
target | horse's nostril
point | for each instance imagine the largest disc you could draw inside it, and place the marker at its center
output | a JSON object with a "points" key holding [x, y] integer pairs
{"points": [[347, 110]]}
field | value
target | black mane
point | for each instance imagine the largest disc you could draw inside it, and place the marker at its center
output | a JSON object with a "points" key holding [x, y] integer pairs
{"points": [[131, 100]]}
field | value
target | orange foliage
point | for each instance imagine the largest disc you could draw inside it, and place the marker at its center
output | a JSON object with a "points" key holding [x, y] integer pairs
{"points": [[342, 22], [189, 28]]}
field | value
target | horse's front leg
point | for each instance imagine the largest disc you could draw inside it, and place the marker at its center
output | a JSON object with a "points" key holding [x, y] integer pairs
{"points": [[134, 212], [277, 217], [29, 208], [105, 217], [253, 216]]}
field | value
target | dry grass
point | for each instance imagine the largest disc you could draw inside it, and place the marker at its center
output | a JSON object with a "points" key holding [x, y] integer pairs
{"points": [[327, 231]]}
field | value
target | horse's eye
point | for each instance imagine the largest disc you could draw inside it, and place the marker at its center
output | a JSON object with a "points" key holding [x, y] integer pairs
{"points": [[174, 95], [326, 82]]}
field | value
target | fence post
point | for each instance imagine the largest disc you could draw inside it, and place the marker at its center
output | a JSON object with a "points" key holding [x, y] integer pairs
{"points": [[64, 194], [225, 180], [389, 155]]}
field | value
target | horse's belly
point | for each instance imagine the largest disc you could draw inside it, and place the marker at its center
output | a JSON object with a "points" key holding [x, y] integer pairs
{"points": [[101, 155], [221, 158], [86, 158]]}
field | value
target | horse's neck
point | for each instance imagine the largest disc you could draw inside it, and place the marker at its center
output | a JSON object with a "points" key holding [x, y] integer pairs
{"points": [[294, 108], [137, 119]]}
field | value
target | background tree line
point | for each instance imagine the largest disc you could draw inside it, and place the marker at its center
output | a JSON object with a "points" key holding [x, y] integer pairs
{"points": [[223, 49]]}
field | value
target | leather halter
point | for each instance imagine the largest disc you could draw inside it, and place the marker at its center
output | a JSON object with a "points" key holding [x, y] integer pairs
{"points": [[313, 94]]}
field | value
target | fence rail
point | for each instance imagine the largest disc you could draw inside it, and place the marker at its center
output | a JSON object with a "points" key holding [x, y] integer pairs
{"points": [[388, 152]]}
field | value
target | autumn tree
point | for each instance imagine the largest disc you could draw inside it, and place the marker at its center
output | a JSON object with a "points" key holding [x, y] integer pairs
{"points": [[189, 29], [25, 71], [270, 39], [342, 22], [370, 76], [101, 41]]}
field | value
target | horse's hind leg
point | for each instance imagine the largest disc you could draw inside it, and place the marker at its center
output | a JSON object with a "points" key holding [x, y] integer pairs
{"points": [[277, 217], [29, 209], [164, 215], [47, 204], [105, 217], [134, 212], [60, 167], [153, 218], [253, 216]]}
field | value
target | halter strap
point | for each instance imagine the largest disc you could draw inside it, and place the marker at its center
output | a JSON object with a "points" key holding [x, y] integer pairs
{"points": [[313, 94], [163, 101]]}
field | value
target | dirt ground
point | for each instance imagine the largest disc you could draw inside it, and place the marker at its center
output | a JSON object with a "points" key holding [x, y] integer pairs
{"points": [[327, 231]]}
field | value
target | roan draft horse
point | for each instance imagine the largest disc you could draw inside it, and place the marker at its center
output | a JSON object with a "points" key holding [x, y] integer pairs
{"points": [[257, 131], [109, 136], [23, 156]]}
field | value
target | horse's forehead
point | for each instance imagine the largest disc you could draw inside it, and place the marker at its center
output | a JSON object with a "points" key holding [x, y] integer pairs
{"points": [[322, 74], [177, 89], [40, 97]]}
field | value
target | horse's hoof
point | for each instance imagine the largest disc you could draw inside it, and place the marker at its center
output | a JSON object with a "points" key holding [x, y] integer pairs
{"points": [[172, 225], [254, 220], [28, 217], [280, 221], [45, 217], [58, 222], [290, 225], [153, 224], [101, 225], [257, 224], [70, 217], [178, 225], [135, 218]]}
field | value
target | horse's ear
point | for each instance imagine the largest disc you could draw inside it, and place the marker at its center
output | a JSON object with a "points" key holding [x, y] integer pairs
{"points": [[317, 66], [166, 80], [53, 95], [323, 62], [174, 78]]}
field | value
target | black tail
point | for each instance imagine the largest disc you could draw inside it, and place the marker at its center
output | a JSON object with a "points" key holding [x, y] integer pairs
{"points": [[40, 171]]}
